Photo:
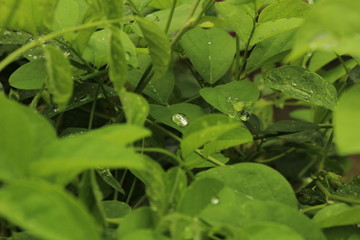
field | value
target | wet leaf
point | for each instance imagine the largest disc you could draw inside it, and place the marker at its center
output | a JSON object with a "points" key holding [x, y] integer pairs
{"points": [[31, 75]]}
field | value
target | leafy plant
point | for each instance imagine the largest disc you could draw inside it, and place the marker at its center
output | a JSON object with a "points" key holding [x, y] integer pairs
{"points": [[156, 119]]}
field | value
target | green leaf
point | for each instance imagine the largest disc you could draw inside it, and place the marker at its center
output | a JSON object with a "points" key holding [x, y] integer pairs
{"points": [[232, 97], [346, 121], [232, 138], [96, 50], [254, 180], [339, 71], [284, 9], [247, 213], [270, 230], [141, 218], [152, 175], [67, 14], [107, 176], [117, 60], [337, 33], [158, 44], [169, 115], [59, 82], [23, 133], [102, 148], [351, 189], [116, 209], [240, 17], [206, 51], [39, 212], [302, 84], [135, 107], [145, 234], [13, 37], [270, 50], [345, 232], [206, 129], [31, 75], [338, 214], [265, 30], [32, 16], [290, 126]]}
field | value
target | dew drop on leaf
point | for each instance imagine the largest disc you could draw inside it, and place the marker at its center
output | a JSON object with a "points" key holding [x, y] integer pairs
{"points": [[180, 120], [55, 108], [215, 200], [244, 115]]}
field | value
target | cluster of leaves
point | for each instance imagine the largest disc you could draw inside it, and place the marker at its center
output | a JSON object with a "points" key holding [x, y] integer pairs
{"points": [[156, 119]]}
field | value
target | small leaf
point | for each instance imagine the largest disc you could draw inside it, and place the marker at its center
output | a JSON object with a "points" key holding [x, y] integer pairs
{"points": [[232, 138], [39, 212], [339, 214], [302, 84], [31, 75], [268, 29], [270, 50], [240, 17], [346, 120], [115, 209], [248, 177], [351, 189], [158, 44], [107, 176], [135, 107], [284, 9], [167, 115], [232, 97], [117, 60], [206, 129], [60, 82], [206, 51], [23, 134]]}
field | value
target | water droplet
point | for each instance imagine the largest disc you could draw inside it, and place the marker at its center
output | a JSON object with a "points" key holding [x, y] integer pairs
{"points": [[244, 115], [215, 200], [250, 197], [210, 58], [82, 98], [311, 91], [35, 57], [294, 84], [209, 43], [55, 108], [180, 120]]}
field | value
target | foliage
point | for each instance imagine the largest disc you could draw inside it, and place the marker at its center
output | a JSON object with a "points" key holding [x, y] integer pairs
{"points": [[157, 119]]}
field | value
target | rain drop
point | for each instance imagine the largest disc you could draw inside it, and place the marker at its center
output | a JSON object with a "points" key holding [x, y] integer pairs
{"points": [[55, 108], [209, 43], [244, 115], [215, 200], [294, 84], [180, 120]]}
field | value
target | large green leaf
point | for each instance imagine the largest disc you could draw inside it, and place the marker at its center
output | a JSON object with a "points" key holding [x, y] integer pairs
{"points": [[231, 98], [206, 51], [339, 214], [158, 44], [270, 50], [230, 212], [240, 17], [37, 207], [284, 9], [105, 147], [206, 129], [177, 116], [59, 82], [31, 75], [347, 122], [255, 180], [23, 134], [302, 84], [30, 15], [338, 32], [270, 230]]}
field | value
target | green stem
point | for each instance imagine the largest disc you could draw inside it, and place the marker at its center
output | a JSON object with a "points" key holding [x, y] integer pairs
{"points": [[171, 14], [131, 191], [237, 58], [170, 134], [278, 156], [145, 79], [325, 153], [324, 125], [191, 99], [333, 197], [209, 158], [93, 107], [305, 210], [163, 151]]}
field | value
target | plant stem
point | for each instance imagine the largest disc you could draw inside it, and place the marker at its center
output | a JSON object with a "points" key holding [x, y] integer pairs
{"points": [[330, 196], [131, 191], [138, 12], [144, 80], [93, 106], [290, 150], [171, 14], [237, 58], [163, 151], [325, 153], [209, 158], [305, 210]]}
